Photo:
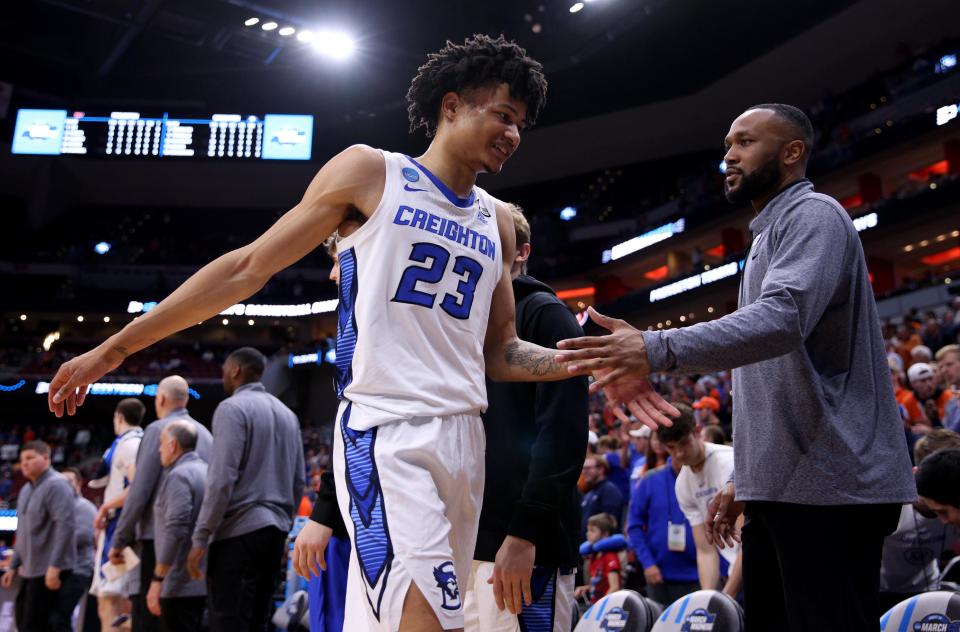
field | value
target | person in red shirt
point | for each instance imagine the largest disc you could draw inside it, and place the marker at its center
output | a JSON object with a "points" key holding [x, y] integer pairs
{"points": [[604, 568]]}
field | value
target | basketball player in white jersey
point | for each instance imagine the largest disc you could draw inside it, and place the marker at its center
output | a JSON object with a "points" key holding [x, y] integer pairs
{"points": [[426, 305]]}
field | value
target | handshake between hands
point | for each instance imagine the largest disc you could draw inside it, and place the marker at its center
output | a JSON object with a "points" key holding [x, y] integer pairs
{"points": [[618, 363]]}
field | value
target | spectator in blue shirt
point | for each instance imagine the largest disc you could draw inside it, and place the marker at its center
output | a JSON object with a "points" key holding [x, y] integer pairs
{"points": [[661, 536], [602, 496]]}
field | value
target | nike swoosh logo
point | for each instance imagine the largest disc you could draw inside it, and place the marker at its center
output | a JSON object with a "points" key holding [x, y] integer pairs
{"points": [[407, 187]]}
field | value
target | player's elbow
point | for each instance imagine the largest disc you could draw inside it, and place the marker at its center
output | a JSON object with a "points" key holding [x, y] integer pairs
{"points": [[247, 272]]}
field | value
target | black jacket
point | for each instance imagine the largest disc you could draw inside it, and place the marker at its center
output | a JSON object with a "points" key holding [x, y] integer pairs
{"points": [[536, 443]]}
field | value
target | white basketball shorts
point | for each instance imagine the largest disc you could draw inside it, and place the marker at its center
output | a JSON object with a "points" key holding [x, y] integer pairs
{"points": [[410, 492], [551, 610]]}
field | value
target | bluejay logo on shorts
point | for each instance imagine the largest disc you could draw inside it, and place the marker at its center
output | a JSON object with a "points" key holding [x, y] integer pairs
{"points": [[936, 623], [447, 583], [615, 620], [699, 621]]}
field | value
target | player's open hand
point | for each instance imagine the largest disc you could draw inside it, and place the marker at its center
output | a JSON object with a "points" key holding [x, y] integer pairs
{"points": [[723, 510], [309, 549], [512, 570], [622, 352], [638, 396], [69, 386]]}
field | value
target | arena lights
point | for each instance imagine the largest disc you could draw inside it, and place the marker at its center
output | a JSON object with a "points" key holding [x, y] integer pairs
{"points": [[12, 387], [269, 26], [947, 113], [304, 358], [50, 339], [644, 241], [102, 248], [576, 7], [251, 21], [864, 222], [722, 166], [121, 389], [254, 309], [23, 316], [947, 63], [333, 44], [287, 31], [568, 213], [695, 281]]}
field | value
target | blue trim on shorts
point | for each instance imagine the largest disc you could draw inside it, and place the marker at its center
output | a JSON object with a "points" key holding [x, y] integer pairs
{"points": [[367, 511], [346, 319], [539, 616]]}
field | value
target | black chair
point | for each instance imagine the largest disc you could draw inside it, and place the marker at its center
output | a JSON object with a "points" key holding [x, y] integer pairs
{"points": [[702, 610]]}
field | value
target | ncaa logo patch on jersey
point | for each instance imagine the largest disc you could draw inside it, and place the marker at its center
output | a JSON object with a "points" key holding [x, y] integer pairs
{"points": [[410, 174], [483, 214], [447, 583]]}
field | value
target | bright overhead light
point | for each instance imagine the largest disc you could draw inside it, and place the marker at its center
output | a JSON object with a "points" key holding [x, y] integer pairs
{"points": [[305, 36], [576, 7], [102, 248], [287, 31], [269, 26], [225, 321], [106, 319], [79, 319], [251, 22], [333, 44], [23, 316], [250, 322]]}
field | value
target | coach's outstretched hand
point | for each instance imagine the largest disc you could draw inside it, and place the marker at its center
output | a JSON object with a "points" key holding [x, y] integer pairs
{"points": [[309, 549], [69, 386], [619, 365]]}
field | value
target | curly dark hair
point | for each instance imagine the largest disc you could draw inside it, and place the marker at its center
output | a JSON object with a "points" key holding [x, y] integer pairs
{"points": [[480, 61]]}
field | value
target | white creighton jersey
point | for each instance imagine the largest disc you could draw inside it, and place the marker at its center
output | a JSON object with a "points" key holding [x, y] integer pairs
{"points": [[416, 282]]}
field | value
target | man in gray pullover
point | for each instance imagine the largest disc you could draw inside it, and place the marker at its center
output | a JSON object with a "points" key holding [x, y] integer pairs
{"points": [[45, 551], [173, 595], [136, 520], [821, 462], [254, 486]]}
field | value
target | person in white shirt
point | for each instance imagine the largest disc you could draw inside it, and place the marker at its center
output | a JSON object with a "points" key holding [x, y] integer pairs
{"points": [[707, 467]]}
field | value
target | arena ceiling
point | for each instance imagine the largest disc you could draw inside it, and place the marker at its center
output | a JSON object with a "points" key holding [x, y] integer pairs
{"points": [[611, 55]]}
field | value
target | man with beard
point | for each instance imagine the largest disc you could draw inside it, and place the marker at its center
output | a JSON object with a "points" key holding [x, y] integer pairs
{"points": [[821, 466]]}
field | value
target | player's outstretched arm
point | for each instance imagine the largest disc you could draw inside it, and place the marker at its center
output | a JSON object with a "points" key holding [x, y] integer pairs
{"points": [[507, 358], [352, 179]]}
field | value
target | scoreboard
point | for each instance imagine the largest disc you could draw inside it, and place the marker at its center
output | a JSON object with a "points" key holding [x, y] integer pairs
{"points": [[135, 135]]}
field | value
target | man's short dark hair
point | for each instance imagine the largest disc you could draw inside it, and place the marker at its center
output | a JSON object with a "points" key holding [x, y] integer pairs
{"points": [[40, 447], [682, 425], [76, 473], [132, 410], [938, 477], [183, 433], [794, 117], [480, 61], [250, 361]]}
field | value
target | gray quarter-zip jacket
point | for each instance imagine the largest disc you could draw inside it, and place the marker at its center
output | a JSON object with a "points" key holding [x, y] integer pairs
{"points": [[814, 416]]}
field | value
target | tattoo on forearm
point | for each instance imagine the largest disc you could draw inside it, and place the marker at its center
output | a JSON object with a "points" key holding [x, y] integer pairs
{"points": [[535, 361]]}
